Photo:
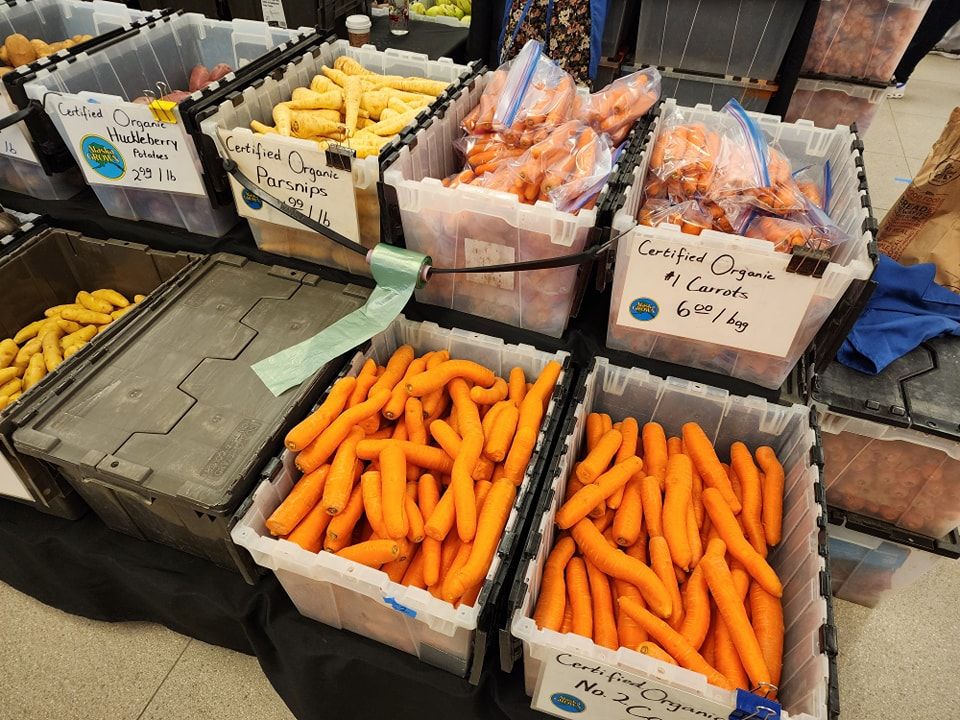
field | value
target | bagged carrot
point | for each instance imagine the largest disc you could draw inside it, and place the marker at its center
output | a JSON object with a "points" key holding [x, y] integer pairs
{"points": [[614, 109]]}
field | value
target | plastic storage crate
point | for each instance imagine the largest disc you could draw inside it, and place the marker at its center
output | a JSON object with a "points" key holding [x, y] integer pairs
{"points": [[892, 441], [113, 75], [256, 102], [165, 431], [871, 560], [28, 222], [689, 89], [469, 225], [296, 13], [808, 686], [743, 38], [439, 19], [862, 38], [363, 600], [850, 265], [208, 8], [828, 103], [22, 170], [48, 267]]}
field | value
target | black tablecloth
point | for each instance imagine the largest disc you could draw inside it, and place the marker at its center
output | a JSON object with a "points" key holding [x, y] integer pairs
{"points": [[433, 39]]}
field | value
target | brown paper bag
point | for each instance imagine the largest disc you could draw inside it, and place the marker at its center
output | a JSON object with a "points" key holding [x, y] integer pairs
{"points": [[924, 225]]}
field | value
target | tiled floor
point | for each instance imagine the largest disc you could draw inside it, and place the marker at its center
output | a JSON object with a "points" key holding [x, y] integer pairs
{"points": [[898, 660]]}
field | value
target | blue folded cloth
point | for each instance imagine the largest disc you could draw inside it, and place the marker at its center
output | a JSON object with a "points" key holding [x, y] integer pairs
{"points": [[906, 309]]}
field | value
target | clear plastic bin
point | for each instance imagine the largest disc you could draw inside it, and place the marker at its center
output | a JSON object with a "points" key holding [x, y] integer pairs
{"points": [[363, 600], [743, 38], [689, 89], [828, 103], [256, 102], [870, 562], [469, 226], [862, 38], [808, 667], [903, 476], [802, 143], [52, 21], [163, 50]]}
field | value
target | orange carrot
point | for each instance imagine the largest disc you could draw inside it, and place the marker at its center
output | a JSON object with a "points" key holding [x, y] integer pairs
{"points": [[663, 567], [490, 524], [604, 624], [502, 433], [551, 604], [398, 395], [696, 499], [413, 419], [491, 395], [442, 518], [396, 569], [652, 504], [446, 371], [326, 444], [422, 456], [301, 500], [630, 430], [528, 426], [730, 606], [629, 632], [656, 652], [396, 367], [767, 620], [696, 607], [578, 589], [339, 483], [741, 461], [674, 446], [693, 537], [598, 460], [655, 451], [588, 497], [366, 379], [629, 516], [308, 429], [413, 577], [772, 494], [679, 485], [517, 386], [415, 532], [311, 531], [673, 643], [594, 430], [373, 501], [372, 553], [723, 520], [698, 446], [726, 657], [340, 529], [618, 564], [393, 479]]}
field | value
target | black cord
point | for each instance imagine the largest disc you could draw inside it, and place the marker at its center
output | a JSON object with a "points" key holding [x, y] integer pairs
{"points": [[547, 263], [14, 118]]}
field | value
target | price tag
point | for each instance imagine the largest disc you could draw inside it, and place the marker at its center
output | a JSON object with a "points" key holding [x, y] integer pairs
{"points": [[10, 483], [124, 145], [296, 174], [14, 141], [576, 687], [741, 299], [273, 12]]}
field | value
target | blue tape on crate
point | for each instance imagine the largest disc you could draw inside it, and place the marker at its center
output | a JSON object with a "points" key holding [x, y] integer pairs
{"points": [[399, 607], [754, 707]]}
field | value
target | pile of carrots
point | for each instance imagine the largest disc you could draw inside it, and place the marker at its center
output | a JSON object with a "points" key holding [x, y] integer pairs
{"points": [[707, 179], [666, 555], [558, 143], [413, 468]]}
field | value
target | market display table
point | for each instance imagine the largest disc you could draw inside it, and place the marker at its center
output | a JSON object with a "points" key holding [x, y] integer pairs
{"points": [[85, 569], [435, 40]]}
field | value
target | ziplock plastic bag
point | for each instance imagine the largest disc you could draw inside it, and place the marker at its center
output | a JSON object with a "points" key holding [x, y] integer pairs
{"points": [[537, 92], [484, 153], [751, 168], [618, 106], [689, 215], [480, 119], [684, 159], [811, 228], [816, 183]]}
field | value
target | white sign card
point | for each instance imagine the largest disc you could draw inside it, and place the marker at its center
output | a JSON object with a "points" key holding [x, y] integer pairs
{"points": [[10, 483], [273, 12], [572, 687], [14, 141], [296, 174], [749, 302], [124, 145]]}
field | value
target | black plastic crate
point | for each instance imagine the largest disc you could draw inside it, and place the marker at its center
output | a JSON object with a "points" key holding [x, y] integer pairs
{"points": [[48, 267], [164, 431]]}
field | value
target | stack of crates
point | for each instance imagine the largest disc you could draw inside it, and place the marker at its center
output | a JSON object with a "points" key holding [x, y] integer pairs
{"points": [[709, 52], [852, 55]]}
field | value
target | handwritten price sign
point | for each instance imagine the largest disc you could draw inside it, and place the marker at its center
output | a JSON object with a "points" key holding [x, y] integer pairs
{"points": [[741, 299], [576, 687]]}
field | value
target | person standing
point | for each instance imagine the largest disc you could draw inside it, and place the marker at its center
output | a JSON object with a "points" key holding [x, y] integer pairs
{"points": [[941, 16]]}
